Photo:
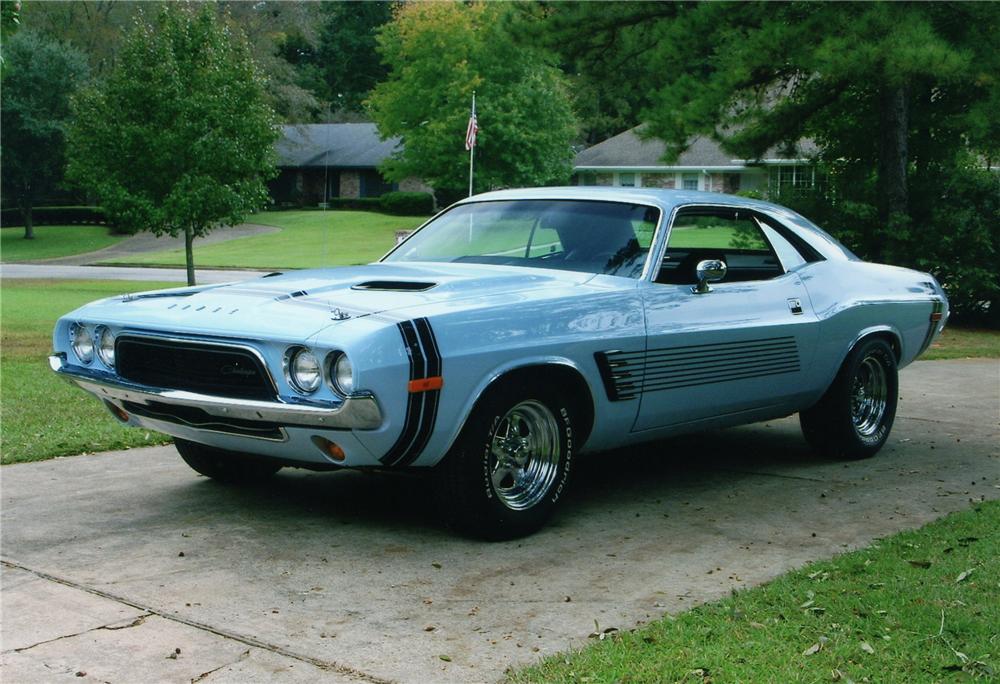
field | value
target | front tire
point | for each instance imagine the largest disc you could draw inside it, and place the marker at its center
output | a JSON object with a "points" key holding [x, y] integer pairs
{"points": [[510, 466], [225, 466], [854, 417]]}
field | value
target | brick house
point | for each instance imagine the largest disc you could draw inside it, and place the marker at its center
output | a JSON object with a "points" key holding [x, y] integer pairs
{"points": [[630, 161], [318, 162]]}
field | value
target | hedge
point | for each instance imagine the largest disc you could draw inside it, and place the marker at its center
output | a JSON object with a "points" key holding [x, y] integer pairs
{"points": [[408, 203], [55, 216], [363, 203]]}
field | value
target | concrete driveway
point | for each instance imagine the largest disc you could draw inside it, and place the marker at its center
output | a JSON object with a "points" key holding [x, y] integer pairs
{"points": [[125, 566]]}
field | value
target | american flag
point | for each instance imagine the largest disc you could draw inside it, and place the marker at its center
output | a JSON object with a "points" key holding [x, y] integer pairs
{"points": [[472, 128]]}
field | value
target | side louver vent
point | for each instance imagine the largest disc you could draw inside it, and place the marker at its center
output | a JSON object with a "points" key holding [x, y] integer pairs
{"points": [[626, 375]]}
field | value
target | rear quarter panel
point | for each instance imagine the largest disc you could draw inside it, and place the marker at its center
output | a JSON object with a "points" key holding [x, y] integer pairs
{"points": [[853, 298]]}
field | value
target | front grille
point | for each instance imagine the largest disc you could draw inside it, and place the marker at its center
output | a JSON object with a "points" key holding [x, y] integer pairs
{"points": [[205, 368]]}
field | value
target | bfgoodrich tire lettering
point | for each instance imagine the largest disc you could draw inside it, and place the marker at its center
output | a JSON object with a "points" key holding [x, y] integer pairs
{"points": [[224, 466], [855, 416], [511, 464]]}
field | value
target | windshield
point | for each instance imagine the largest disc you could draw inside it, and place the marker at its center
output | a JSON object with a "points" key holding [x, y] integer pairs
{"points": [[593, 237]]}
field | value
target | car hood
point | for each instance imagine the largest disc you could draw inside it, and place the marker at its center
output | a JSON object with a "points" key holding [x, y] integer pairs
{"points": [[299, 304]]}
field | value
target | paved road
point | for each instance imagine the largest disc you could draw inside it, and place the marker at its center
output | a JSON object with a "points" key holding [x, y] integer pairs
{"points": [[112, 561], [74, 272]]}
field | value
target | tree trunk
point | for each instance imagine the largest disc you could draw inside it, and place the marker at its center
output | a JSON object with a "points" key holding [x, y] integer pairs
{"points": [[27, 206], [189, 252], [893, 157], [29, 222]]}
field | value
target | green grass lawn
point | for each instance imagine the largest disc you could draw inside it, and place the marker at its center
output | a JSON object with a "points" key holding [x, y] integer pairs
{"points": [[308, 239], [43, 416], [965, 343], [921, 606], [54, 241]]}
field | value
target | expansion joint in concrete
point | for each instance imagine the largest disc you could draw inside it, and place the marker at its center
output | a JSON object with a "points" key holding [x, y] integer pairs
{"points": [[332, 666]]}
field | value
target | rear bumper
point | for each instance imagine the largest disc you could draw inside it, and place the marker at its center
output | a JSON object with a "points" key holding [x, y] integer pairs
{"points": [[357, 412]]}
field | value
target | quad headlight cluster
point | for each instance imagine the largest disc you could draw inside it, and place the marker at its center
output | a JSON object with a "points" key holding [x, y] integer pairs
{"points": [[87, 342], [305, 373]]}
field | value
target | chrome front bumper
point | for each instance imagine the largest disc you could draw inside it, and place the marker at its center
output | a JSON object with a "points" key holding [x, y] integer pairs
{"points": [[358, 412]]}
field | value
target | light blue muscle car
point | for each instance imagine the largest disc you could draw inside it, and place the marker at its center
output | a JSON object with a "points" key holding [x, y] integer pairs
{"points": [[510, 333]]}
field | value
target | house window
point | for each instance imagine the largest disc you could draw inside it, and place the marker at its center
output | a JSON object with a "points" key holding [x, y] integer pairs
{"points": [[787, 177], [588, 179], [626, 180], [689, 181]]}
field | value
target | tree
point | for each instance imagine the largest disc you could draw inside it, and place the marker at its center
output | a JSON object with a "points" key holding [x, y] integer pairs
{"points": [[179, 137], [604, 49], [10, 21], [40, 74], [346, 51], [275, 32], [94, 27], [437, 55]]}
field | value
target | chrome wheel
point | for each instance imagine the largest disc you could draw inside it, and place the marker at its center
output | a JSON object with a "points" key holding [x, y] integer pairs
{"points": [[869, 393], [524, 451]]}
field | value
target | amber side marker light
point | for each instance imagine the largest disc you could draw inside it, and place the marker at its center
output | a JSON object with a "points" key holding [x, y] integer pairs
{"points": [[331, 449], [426, 384], [118, 412], [936, 316]]}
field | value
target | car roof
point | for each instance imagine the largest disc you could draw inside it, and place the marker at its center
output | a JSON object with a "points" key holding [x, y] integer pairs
{"points": [[665, 199]]}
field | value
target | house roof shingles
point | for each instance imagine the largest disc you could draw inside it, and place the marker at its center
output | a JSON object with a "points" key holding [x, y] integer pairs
{"points": [[351, 145], [628, 150]]}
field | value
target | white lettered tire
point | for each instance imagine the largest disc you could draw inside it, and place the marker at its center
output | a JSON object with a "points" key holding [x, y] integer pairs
{"points": [[511, 464], [855, 416]]}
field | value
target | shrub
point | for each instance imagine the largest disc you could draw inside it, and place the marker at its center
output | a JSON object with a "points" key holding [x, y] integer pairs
{"points": [[56, 216], [362, 203], [408, 203], [954, 234]]}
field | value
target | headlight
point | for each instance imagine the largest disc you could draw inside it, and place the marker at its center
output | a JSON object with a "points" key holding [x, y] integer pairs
{"points": [[82, 342], [341, 373], [302, 370], [106, 346]]}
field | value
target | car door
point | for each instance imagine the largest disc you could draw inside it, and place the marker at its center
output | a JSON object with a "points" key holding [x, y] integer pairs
{"points": [[741, 346]]}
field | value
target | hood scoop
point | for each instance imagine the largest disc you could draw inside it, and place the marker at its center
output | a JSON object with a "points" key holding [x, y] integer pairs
{"points": [[394, 286]]}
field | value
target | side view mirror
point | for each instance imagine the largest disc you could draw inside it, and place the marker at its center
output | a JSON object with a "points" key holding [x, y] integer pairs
{"points": [[708, 271]]}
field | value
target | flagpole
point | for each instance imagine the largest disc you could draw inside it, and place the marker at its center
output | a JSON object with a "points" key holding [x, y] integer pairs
{"points": [[472, 148]]}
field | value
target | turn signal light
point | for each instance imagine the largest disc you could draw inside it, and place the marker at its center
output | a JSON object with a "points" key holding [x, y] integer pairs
{"points": [[330, 449], [426, 384], [118, 412]]}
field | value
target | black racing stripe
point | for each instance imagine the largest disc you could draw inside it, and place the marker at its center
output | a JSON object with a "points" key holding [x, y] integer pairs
{"points": [[413, 402], [427, 421], [418, 364], [428, 415], [430, 347]]}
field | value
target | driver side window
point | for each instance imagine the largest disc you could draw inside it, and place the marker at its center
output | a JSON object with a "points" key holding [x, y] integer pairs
{"points": [[732, 236]]}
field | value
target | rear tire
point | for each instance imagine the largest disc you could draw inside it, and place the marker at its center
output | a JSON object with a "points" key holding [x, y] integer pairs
{"points": [[510, 465], [854, 417], [225, 466]]}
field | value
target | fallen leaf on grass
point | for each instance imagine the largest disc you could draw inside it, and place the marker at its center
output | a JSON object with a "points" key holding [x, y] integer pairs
{"points": [[867, 648], [601, 634], [920, 563], [815, 648], [962, 576]]}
